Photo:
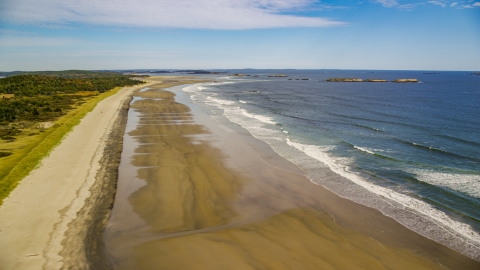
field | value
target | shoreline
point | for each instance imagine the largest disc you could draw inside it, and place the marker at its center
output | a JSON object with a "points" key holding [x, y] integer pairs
{"points": [[338, 179], [78, 223], [341, 178], [36, 215], [260, 189]]}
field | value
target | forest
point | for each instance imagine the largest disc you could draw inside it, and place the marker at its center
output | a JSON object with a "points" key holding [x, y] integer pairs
{"points": [[44, 96]]}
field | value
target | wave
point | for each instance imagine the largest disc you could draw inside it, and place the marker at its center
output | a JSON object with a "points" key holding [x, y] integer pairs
{"points": [[367, 127], [468, 184], [262, 118], [437, 150], [221, 101], [221, 104], [460, 140], [464, 232], [373, 152], [366, 150], [241, 101], [370, 119]]}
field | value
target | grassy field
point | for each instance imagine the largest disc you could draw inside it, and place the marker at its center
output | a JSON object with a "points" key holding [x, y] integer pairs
{"points": [[28, 149]]}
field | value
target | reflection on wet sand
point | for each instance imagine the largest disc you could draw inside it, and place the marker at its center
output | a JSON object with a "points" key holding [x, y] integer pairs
{"points": [[197, 211]]}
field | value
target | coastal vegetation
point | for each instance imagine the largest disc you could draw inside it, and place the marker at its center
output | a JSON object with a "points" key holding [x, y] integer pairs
{"points": [[38, 110]]}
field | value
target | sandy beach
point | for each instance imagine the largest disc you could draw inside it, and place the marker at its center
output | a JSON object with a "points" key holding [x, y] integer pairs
{"points": [[203, 189], [35, 218]]}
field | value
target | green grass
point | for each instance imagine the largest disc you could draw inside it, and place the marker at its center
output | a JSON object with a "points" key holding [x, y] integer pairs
{"points": [[29, 153]]}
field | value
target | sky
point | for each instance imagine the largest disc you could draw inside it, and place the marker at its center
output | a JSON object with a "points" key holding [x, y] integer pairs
{"points": [[228, 34]]}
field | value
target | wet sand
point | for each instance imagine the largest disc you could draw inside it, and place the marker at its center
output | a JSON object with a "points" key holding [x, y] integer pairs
{"points": [[194, 193]]}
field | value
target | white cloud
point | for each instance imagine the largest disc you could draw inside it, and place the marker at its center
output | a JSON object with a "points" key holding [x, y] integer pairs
{"points": [[476, 4], [209, 14], [387, 3], [29, 41], [410, 5], [438, 3]]}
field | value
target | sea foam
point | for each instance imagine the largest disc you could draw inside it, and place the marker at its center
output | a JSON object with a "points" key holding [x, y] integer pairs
{"points": [[465, 183]]}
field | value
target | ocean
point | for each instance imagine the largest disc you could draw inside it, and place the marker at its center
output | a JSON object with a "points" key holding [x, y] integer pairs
{"points": [[410, 150]]}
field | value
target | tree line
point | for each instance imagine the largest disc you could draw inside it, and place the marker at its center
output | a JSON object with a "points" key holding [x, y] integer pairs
{"points": [[29, 85], [46, 96]]}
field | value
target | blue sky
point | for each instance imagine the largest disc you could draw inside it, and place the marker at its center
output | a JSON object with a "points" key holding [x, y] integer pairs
{"points": [[211, 34]]}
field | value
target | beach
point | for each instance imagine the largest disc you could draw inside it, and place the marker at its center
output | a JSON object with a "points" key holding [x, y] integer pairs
{"points": [[46, 221], [194, 185], [191, 184]]}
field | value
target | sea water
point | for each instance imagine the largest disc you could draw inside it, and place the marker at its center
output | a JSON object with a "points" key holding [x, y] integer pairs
{"points": [[410, 150]]}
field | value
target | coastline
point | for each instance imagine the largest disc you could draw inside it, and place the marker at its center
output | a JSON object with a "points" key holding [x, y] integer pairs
{"points": [[35, 218], [51, 236], [265, 200]]}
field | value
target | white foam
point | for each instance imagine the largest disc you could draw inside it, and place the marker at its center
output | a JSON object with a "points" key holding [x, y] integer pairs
{"points": [[263, 118], [221, 101], [191, 88], [465, 183], [405, 201], [366, 150], [241, 101]]}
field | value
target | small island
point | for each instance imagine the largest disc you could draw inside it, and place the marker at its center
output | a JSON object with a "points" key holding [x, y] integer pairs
{"points": [[344, 80], [405, 81], [375, 80]]}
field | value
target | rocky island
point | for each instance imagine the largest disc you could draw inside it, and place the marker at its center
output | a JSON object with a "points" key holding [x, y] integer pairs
{"points": [[375, 80], [344, 80], [370, 80], [405, 81]]}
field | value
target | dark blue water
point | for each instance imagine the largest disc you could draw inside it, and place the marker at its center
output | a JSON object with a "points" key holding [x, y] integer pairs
{"points": [[411, 150]]}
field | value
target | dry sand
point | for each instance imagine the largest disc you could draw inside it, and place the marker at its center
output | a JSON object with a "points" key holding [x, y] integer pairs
{"points": [[35, 217], [211, 197]]}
